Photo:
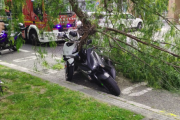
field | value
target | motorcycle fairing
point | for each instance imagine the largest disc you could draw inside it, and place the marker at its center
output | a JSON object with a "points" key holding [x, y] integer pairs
{"points": [[91, 60], [109, 67], [3, 37]]}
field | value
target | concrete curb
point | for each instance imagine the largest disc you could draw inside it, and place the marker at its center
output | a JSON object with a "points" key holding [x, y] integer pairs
{"points": [[148, 112]]}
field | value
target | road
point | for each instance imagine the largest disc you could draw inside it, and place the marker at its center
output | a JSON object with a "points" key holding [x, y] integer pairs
{"points": [[135, 92]]}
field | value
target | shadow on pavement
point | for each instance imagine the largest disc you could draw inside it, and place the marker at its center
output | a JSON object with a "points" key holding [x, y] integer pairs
{"points": [[80, 79]]}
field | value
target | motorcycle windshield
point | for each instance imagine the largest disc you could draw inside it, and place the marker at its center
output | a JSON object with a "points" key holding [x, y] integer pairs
{"points": [[91, 60], [98, 58]]}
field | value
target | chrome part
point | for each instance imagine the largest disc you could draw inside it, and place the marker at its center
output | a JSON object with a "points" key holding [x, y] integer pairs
{"points": [[102, 65], [89, 77], [87, 72], [106, 74]]}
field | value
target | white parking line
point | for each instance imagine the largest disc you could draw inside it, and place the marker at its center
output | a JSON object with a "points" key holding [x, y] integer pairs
{"points": [[52, 71], [129, 89], [25, 59], [57, 58], [140, 93], [5, 50], [39, 54], [19, 50], [23, 50]]}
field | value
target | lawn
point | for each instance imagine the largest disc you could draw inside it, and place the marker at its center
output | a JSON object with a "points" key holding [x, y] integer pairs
{"points": [[28, 97]]}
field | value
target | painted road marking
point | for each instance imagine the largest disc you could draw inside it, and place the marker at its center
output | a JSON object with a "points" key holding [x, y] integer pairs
{"points": [[23, 50], [6, 50], [57, 58], [129, 89], [140, 93], [19, 50], [37, 54], [52, 71], [25, 59]]}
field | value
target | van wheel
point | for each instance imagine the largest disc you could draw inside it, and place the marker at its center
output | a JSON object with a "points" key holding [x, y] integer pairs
{"points": [[139, 26], [33, 38]]}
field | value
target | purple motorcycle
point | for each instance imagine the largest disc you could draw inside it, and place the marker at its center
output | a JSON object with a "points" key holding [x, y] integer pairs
{"points": [[5, 43]]}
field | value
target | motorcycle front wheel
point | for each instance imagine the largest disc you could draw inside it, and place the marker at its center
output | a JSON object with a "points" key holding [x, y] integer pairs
{"points": [[112, 86], [68, 71]]}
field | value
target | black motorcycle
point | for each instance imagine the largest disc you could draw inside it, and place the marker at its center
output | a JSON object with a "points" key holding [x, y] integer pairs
{"points": [[90, 63]]}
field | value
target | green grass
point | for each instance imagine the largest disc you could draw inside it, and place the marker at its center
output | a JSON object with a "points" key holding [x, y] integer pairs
{"points": [[29, 97]]}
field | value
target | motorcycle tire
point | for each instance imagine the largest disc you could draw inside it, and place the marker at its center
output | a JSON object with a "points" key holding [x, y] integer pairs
{"points": [[112, 86], [69, 70]]}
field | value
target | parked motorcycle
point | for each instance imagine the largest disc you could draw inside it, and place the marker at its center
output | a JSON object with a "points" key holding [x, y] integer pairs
{"points": [[88, 62], [5, 42]]}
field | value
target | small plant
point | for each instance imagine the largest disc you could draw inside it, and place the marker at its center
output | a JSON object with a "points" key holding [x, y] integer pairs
{"points": [[57, 66]]}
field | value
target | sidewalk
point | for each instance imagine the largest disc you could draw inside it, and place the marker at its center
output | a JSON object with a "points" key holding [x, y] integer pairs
{"points": [[148, 112]]}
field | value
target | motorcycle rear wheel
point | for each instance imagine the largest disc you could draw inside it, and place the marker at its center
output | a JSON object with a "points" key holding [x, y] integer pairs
{"points": [[112, 86], [69, 70]]}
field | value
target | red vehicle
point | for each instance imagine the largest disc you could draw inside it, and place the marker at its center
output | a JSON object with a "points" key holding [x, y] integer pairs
{"points": [[36, 20]]}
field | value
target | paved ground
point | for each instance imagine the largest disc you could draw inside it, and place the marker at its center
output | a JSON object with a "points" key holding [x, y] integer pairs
{"points": [[156, 104]]}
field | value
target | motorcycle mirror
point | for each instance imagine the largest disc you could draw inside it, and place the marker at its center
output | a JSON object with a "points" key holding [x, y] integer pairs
{"points": [[89, 42]]}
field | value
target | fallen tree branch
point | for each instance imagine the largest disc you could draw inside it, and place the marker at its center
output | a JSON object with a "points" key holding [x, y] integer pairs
{"points": [[138, 49], [145, 43]]}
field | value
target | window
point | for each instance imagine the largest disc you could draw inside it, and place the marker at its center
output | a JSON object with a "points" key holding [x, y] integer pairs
{"points": [[37, 8], [130, 16]]}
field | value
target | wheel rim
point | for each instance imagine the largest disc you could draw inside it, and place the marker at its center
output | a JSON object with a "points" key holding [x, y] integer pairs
{"points": [[140, 26]]}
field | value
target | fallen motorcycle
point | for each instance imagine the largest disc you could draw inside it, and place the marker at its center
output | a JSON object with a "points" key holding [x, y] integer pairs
{"points": [[88, 62]]}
